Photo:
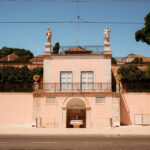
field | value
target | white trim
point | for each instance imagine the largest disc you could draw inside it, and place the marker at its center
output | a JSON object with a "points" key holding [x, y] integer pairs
{"points": [[64, 105]]}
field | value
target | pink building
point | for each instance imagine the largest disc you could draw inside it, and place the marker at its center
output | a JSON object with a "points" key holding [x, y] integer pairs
{"points": [[77, 83], [77, 91]]}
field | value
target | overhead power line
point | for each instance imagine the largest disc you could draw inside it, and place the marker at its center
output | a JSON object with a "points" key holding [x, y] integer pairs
{"points": [[78, 0], [67, 22]]}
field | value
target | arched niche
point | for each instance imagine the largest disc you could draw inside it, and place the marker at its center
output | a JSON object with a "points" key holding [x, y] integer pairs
{"points": [[75, 103]]}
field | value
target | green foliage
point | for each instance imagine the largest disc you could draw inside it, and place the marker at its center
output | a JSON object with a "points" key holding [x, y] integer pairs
{"points": [[18, 75], [113, 60], [137, 61], [56, 48], [131, 74], [24, 54], [144, 34], [147, 72]]}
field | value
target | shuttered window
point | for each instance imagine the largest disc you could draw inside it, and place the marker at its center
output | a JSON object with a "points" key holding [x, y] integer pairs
{"points": [[87, 80], [66, 80], [142, 119], [50, 100], [100, 100]]}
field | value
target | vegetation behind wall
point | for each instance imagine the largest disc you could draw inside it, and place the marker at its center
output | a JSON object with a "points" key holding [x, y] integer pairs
{"points": [[134, 79], [17, 79]]}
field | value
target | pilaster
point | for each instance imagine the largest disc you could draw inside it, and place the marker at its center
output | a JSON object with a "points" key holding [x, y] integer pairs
{"points": [[116, 111]]}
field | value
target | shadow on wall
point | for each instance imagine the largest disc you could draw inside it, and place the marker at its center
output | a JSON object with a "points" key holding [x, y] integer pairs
{"points": [[125, 112]]}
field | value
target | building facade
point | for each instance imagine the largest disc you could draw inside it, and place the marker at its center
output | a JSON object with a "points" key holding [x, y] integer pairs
{"points": [[77, 86], [77, 91]]}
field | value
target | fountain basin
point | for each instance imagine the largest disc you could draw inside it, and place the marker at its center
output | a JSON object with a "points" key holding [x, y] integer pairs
{"points": [[76, 123]]}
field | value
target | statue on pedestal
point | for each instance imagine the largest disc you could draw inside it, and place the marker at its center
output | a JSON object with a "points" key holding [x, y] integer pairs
{"points": [[107, 41], [48, 43], [49, 35], [106, 34]]}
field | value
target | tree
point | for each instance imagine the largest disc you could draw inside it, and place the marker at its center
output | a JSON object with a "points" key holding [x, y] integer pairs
{"points": [[131, 74], [147, 72], [113, 60], [144, 34], [137, 61], [24, 54], [18, 75], [56, 48]]}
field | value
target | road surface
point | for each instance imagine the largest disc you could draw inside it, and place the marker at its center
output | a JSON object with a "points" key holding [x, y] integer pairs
{"points": [[74, 142]]}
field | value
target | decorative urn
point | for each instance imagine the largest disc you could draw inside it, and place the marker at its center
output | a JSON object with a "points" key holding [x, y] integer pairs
{"points": [[36, 78]]}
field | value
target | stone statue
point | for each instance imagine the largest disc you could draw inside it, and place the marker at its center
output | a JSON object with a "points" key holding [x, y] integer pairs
{"points": [[106, 34], [48, 42], [49, 35], [76, 117]]}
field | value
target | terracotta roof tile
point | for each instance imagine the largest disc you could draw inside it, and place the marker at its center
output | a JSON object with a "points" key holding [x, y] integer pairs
{"points": [[38, 58], [10, 57], [78, 50]]}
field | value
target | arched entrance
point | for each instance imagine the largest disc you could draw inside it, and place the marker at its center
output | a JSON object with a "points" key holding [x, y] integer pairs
{"points": [[76, 108]]}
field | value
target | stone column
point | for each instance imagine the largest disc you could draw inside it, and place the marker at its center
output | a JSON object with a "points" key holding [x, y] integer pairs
{"points": [[64, 117], [36, 110], [115, 111], [118, 82], [88, 120]]}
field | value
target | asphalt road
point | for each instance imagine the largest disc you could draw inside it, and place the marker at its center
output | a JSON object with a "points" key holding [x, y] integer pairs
{"points": [[74, 142]]}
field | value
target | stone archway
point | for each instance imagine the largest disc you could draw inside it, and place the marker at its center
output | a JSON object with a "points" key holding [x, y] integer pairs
{"points": [[74, 104]]}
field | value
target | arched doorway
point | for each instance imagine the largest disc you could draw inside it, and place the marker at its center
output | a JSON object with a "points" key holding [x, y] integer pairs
{"points": [[76, 108]]}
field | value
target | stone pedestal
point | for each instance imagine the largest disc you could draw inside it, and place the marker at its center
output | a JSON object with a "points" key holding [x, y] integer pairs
{"points": [[107, 47], [47, 48], [36, 86]]}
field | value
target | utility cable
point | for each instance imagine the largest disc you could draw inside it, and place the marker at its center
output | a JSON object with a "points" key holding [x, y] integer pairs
{"points": [[75, 0], [69, 22]]}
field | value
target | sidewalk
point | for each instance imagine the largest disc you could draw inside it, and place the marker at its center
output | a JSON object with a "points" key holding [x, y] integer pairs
{"points": [[124, 130]]}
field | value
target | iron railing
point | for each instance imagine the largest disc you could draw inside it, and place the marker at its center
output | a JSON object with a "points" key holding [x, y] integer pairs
{"points": [[16, 87], [136, 87], [81, 87], [96, 49]]}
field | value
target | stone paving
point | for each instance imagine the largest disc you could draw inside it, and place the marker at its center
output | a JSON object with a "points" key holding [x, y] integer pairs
{"points": [[123, 130]]}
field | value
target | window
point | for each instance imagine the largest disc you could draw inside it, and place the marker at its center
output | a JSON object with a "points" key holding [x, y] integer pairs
{"points": [[66, 81], [142, 119], [50, 100], [87, 81], [100, 100]]}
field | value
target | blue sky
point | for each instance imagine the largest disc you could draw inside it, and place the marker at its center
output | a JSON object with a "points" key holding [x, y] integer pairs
{"points": [[32, 36]]}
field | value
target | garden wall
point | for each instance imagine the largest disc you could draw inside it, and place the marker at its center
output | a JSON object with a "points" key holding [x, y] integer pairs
{"points": [[16, 109], [135, 108]]}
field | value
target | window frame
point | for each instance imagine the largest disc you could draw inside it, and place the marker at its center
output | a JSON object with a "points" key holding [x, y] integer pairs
{"points": [[101, 97]]}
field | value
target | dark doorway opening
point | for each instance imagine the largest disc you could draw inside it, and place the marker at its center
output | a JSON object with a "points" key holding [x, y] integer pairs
{"points": [[76, 114]]}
